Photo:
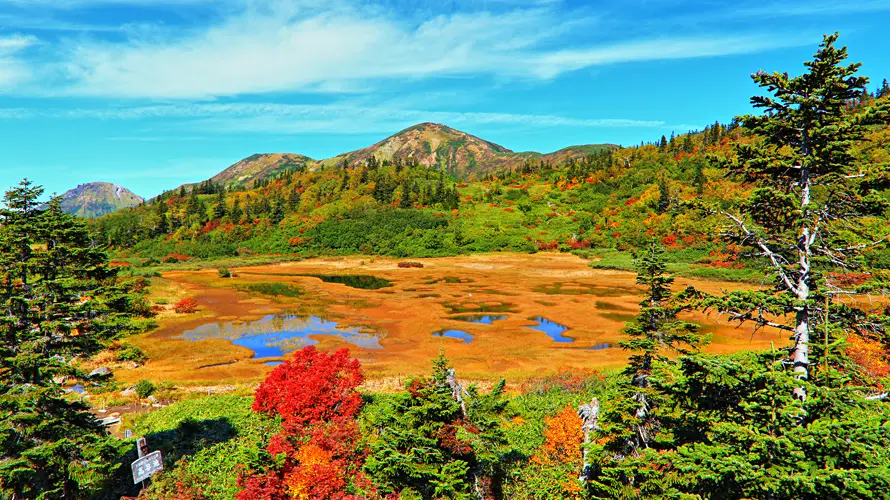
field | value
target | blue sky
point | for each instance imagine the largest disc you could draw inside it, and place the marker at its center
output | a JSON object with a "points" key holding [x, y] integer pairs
{"points": [[153, 93]]}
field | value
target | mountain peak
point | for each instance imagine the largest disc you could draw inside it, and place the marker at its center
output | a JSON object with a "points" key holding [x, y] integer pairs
{"points": [[95, 199], [434, 145]]}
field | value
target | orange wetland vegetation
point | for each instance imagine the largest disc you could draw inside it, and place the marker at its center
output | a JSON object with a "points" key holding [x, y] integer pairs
{"points": [[495, 315]]}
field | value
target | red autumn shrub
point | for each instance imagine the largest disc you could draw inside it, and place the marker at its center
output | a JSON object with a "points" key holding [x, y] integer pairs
{"points": [[186, 306], [318, 448], [311, 388], [173, 258]]}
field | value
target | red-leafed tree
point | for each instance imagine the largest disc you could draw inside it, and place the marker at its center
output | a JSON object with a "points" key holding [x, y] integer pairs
{"points": [[316, 455], [311, 388]]}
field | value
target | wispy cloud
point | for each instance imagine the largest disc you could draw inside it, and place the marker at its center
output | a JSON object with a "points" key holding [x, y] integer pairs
{"points": [[325, 118], [13, 68], [272, 46]]}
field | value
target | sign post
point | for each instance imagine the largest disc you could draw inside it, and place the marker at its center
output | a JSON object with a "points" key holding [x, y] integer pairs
{"points": [[141, 447], [147, 466]]}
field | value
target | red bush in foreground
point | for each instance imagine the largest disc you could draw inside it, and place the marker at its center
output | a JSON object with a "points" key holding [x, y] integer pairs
{"points": [[317, 451], [311, 388], [186, 306]]}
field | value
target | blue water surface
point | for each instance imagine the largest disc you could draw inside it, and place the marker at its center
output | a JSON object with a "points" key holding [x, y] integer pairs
{"points": [[553, 330], [455, 334], [481, 319], [278, 334]]}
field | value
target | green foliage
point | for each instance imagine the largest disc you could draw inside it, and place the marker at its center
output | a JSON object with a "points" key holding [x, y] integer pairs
{"points": [[144, 388], [207, 442], [130, 352], [274, 289], [739, 434], [437, 439], [60, 300]]}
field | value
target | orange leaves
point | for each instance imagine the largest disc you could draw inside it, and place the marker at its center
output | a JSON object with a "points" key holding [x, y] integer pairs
{"points": [[872, 356], [562, 438]]}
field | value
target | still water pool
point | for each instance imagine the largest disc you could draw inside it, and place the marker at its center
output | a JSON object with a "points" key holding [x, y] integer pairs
{"points": [[553, 330], [455, 334], [278, 334], [480, 319]]}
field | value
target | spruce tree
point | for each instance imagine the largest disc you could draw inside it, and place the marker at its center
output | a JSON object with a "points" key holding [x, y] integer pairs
{"points": [[60, 300], [440, 440], [811, 213], [631, 422], [664, 195]]}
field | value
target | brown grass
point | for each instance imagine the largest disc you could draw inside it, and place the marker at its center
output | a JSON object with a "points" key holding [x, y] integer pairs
{"points": [[408, 313]]}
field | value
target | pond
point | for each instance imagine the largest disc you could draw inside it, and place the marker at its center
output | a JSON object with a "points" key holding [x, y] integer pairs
{"points": [[553, 330], [479, 319], [362, 281], [278, 334], [455, 334]]}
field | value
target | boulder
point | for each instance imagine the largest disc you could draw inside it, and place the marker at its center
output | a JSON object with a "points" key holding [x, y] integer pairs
{"points": [[102, 371]]}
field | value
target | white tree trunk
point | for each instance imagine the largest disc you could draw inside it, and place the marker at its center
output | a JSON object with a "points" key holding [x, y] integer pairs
{"points": [[800, 353]]}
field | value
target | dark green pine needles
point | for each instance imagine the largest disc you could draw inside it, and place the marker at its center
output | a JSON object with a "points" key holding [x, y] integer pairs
{"points": [[59, 300]]}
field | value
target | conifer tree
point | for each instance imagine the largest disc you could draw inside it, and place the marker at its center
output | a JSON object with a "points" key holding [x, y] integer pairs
{"points": [[59, 300], [664, 195], [440, 440], [810, 214], [631, 423]]}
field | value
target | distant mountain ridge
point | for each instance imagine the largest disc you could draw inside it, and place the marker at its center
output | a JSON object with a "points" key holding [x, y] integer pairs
{"points": [[431, 144], [95, 199]]}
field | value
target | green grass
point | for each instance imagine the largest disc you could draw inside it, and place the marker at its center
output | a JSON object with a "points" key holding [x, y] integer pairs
{"points": [[273, 289], [217, 436], [681, 263]]}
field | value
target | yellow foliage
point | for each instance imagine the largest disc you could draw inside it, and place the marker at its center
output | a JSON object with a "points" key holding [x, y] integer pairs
{"points": [[562, 438]]}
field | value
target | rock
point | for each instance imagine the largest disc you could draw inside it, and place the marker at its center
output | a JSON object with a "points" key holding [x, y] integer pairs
{"points": [[60, 379], [128, 392], [152, 399], [102, 371]]}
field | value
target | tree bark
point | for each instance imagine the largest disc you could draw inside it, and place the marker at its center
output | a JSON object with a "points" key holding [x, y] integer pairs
{"points": [[589, 414], [800, 353]]}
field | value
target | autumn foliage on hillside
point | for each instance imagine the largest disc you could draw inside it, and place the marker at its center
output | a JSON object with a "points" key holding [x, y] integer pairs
{"points": [[316, 455]]}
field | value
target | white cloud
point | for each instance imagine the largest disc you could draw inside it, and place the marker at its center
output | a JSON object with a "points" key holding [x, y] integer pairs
{"points": [[554, 63], [13, 68], [275, 46]]}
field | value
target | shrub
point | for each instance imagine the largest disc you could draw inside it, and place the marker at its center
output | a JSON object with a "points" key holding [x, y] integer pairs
{"points": [[186, 306], [410, 264], [311, 388], [144, 388], [175, 258], [224, 272], [317, 454], [129, 352]]}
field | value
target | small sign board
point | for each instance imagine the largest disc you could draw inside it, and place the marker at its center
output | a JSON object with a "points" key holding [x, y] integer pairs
{"points": [[128, 434], [147, 466]]}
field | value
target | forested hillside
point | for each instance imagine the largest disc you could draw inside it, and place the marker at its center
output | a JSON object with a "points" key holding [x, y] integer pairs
{"points": [[607, 198]]}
